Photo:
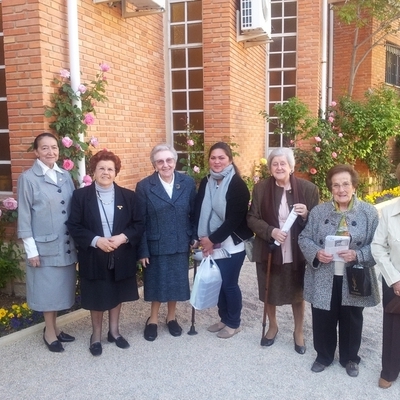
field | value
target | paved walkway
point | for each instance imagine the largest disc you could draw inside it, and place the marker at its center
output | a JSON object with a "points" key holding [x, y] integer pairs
{"points": [[187, 367]]}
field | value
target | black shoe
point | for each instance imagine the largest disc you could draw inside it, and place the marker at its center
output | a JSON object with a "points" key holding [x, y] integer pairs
{"points": [[119, 341], [352, 369], [64, 337], [174, 328], [268, 342], [150, 331], [299, 349], [317, 367], [95, 348], [55, 347]]}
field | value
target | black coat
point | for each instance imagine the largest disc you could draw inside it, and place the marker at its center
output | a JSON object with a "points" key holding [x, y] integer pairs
{"points": [[84, 224]]}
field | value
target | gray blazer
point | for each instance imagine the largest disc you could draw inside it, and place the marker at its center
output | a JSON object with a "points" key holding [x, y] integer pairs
{"points": [[169, 226], [323, 220], [43, 209]]}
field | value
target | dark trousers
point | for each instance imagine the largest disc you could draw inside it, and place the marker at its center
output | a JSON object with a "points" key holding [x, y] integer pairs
{"points": [[230, 296], [325, 322], [391, 339]]}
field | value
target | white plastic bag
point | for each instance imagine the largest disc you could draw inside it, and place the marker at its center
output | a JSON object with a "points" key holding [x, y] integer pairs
{"points": [[207, 285]]}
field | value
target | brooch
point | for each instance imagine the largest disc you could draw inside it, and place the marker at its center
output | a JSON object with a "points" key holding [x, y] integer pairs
{"points": [[119, 207]]}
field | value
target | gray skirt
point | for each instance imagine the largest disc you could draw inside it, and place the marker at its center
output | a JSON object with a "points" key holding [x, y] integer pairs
{"points": [[50, 288]]}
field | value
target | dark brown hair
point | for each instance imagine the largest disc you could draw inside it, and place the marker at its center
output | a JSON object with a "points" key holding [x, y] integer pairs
{"points": [[38, 138], [227, 150], [105, 155], [337, 169]]}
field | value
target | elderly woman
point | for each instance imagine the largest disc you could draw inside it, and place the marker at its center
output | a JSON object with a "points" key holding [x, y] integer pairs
{"points": [[273, 200], [385, 248], [221, 208], [325, 282], [44, 196], [166, 200], [106, 225]]}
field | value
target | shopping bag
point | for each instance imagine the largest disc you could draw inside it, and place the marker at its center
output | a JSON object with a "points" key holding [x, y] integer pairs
{"points": [[207, 285], [359, 281]]}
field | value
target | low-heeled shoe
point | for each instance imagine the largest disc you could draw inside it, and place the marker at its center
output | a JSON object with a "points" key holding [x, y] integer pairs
{"points": [[150, 331], [384, 384], [299, 349], [352, 369], [174, 328], [317, 367], [268, 342], [95, 348], [119, 341], [64, 337], [55, 347]]}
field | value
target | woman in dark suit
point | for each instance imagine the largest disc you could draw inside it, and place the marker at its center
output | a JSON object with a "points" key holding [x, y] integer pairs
{"points": [[221, 208], [106, 226], [166, 200]]}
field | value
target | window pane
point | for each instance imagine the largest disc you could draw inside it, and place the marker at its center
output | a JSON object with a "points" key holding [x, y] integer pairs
{"points": [[291, 25], [178, 58], [290, 9], [2, 83], [177, 12], [289, 78], [289, 60], [194, 11], [4, 147], [275, 94], [196, 100], [276, 10], [1, 50], [195, 33], [180, 142], [290, 44], [196, 120], [196, 79], [178, 80], [1, 19], [275, 61], [274, 140], [195, 57], [288, 92], [276, 45], [276, 26], [179, 101], [5, 178], [3, 115], [178, 34], [179, 121], [275, 78]]}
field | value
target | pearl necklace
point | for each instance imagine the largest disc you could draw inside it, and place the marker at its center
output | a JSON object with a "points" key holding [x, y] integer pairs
{"points": [[106, 204]]}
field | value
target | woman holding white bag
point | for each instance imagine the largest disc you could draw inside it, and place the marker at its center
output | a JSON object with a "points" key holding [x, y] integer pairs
{"points": [[221, 209]]}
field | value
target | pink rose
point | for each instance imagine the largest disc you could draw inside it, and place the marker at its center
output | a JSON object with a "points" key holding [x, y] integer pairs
{"points": [[256, 179], [330, 119], [340, 134], [291, 141], [82, 88], [68, 164], [67, 142], [104, 67], [313, 171], [317, 149], [334, 155], [78, 147], [1, 212], [10, 203], [317, 138], [89, 119], [104, 78], [196, 169], [87, 180], [94, 141], [65, 73], [190, 142], [333, 104]]}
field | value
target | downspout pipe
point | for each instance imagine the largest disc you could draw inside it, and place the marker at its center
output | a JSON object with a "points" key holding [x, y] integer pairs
{"points": [[75, 68], [324, 58]]}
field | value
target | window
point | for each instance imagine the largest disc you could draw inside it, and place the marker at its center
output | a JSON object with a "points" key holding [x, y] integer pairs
{"points": [[282, 63], [392, 65], [185, 50], [5, 156]]}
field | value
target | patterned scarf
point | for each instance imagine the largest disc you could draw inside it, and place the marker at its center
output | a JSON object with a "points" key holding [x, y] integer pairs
{"points": [[343, 229]]}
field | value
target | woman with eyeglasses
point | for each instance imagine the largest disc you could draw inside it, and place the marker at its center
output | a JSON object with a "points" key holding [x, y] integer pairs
{"points": [[166, 200], [325, 282], [106, 225]]}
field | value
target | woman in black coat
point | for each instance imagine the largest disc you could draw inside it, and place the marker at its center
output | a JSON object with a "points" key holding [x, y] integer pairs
{"points": [[106, 227]]}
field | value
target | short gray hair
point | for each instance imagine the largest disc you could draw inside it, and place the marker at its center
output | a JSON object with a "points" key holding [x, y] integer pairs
{"points": [[162, 147], [282, 151]]}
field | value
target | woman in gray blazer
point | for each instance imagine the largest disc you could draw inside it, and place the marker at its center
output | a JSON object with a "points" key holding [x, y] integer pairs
{"points": [[44, 196], [166, 200]]}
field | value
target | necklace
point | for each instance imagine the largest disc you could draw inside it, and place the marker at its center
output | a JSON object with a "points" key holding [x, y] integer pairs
{"points": [[106, 204]]}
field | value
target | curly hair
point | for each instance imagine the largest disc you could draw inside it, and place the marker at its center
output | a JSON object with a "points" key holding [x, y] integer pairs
{"points": [[105, 155], [337, 169]]}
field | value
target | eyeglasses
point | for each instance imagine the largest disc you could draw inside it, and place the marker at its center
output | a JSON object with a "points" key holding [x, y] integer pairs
{"points": [[160, 163], [344, 185], [108, 170]]}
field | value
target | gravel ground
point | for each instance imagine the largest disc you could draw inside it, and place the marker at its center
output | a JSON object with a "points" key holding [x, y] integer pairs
{"points": [[188, 367]]}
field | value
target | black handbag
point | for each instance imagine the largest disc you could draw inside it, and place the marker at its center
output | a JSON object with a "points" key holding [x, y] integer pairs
{"points": [[358, 280]]}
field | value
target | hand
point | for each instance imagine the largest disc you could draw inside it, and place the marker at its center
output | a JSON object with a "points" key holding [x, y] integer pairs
{"points": [[207, 245], [194, 244], [145, 262], [278, 235], [323, 257], [34, 261], [105, 244], [348, 255], [396, 288], [301, 210], [117, 240]]}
